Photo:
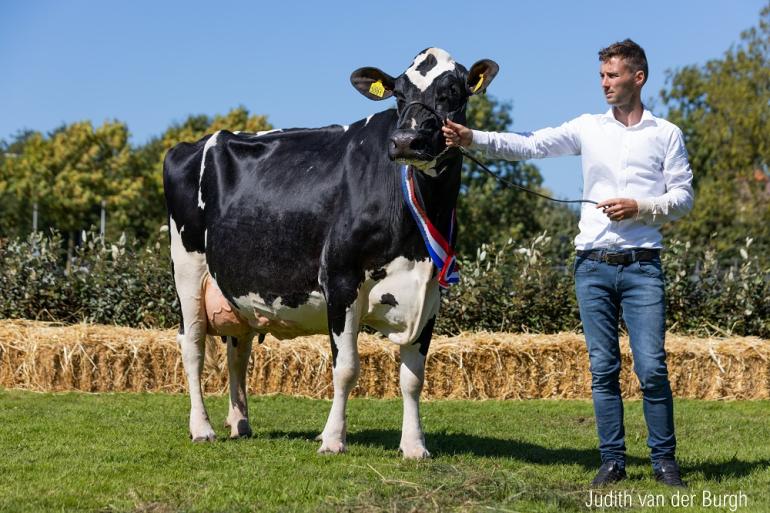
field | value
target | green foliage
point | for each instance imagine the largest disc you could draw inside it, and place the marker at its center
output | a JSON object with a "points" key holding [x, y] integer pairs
{"points": [[121, 283], [709, 298], [515, 287], [129, 452], [723, 108], [70, 173], [510, 288]]}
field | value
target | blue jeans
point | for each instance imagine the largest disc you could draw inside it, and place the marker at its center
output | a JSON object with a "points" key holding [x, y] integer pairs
{"points": [[603, 291]]}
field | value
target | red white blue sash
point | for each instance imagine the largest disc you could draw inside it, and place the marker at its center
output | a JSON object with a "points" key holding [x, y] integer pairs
{"points": [[440, 251]]}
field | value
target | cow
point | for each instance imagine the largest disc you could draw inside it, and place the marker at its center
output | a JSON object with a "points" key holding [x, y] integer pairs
{"points": [[308, 231]]}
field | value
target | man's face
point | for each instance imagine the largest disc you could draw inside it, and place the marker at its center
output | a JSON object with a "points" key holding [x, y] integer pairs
{"points": [[619, 83]]}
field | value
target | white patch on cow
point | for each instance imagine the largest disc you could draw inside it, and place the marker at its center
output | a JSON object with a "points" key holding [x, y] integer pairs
{"points": [[237, 132], [444, 62], [412, 284], [212, 141], [284, 321], [345, 128], [369, 117], [265, 132]]}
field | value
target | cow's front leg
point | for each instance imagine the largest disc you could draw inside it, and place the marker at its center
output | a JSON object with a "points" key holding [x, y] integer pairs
{"points": [[412, 376], [343, 331], [238, 353]]}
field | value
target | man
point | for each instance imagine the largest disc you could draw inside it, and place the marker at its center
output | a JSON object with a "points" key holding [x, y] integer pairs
{"points": [[635, 165]]}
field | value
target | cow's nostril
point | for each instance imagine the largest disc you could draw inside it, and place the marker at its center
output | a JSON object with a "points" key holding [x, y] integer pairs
{"points": [[418, 144]]}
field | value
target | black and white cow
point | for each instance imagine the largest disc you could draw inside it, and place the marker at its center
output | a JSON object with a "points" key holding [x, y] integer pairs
{"points": [[306, 231]]}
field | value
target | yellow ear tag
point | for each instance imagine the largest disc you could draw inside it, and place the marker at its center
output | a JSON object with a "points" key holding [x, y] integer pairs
{"points": [[478, 85], [377, 89]]}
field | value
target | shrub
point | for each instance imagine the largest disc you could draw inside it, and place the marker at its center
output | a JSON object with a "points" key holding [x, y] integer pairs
{"points": [[508, 287], [112, 283], [504, 288]]}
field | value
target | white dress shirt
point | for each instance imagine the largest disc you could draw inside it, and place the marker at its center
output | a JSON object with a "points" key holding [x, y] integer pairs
{"points": [[646, 162]]}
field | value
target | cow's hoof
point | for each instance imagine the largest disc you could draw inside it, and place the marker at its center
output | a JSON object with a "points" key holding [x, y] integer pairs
{"points": [[206, 437], [415, 453], [241, 429], [203, 433], [335, 447]]}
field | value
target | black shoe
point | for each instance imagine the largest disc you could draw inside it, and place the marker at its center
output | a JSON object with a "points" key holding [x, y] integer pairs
{"points": [[610, 472], [668, 473]]}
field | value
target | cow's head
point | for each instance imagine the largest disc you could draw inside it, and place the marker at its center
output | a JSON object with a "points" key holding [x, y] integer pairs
{"points": [[433, 88]]}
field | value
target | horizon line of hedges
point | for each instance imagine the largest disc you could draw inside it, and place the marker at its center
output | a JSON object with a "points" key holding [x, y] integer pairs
{"points": [[514, 287]]}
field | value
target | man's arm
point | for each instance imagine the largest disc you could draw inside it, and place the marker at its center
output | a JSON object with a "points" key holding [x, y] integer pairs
{"points": [[679, 196], [548, 142]]}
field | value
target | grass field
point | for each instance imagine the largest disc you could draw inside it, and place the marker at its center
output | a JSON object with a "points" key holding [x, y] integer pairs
{"points": [[130, 452]]}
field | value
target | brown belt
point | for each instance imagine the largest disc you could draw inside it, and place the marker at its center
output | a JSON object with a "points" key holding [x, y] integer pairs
{"points": [[625, 257]]}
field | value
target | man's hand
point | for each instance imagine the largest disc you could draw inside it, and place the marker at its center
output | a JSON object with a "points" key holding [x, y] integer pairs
{"points": [[456, 134], [618, 209]]}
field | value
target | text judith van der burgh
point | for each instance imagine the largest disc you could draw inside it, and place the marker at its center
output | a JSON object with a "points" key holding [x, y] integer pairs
{"points": [[678, 499]]}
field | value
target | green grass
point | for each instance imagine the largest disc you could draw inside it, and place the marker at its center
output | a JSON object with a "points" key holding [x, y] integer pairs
{"points": [[130, 452]]}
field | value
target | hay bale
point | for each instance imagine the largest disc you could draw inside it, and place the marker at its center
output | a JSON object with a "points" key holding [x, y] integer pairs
{"points": [[92, 358]]}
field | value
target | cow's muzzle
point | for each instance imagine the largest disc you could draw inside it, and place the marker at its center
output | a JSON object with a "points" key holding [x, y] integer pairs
{"points": [[408, 145]]}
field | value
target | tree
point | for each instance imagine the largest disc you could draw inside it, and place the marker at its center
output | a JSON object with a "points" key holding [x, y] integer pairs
{"points": [[15, 213], [723, 109], [69, 173]]}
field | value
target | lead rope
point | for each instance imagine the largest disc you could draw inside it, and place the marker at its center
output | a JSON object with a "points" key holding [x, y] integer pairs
{"points": [[515, 185], [466, 153]]}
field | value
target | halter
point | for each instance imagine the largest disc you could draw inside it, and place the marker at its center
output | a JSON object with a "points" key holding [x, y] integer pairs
{"points": [[430, 109]]}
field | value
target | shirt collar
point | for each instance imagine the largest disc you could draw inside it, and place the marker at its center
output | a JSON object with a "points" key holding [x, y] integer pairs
{"points": [[647, 117]]}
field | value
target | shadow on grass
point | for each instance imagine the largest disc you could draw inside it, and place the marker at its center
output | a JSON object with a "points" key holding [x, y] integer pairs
{"points": [[451, 444], [727, 469]]}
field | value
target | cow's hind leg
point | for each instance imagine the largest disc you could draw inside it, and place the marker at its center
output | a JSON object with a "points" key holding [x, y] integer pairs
{"points": [[189, 273], [238, 353], [193, 351], [412, 376], [343, 331]]}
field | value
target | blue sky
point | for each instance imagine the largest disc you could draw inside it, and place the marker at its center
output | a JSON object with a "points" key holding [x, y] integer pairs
{"points": [[151, 63]]}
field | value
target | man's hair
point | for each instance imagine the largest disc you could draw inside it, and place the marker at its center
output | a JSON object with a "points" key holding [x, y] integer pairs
{"points": [[630, 52]]}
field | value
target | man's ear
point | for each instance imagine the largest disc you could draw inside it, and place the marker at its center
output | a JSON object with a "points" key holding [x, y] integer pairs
{"points": [[373, 83], [481, 75]]}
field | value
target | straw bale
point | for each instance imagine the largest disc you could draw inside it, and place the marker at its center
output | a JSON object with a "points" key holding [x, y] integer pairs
{"points": [[93, 358]]}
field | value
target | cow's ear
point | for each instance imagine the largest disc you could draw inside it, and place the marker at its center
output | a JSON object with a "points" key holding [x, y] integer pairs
{"points": [[373, 83], [481, 75]]}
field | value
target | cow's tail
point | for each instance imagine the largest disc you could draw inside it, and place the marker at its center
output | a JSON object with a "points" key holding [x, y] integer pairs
{"points": [[211, 359]]}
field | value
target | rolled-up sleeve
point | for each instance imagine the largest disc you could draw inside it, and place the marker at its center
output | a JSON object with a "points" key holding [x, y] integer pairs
{"points": [[679, 197], [547, 142]]}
